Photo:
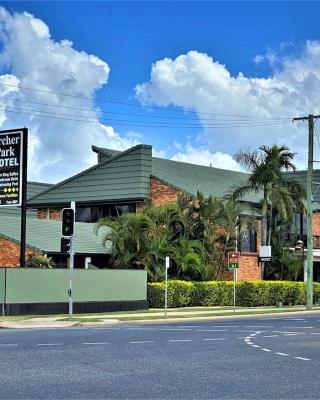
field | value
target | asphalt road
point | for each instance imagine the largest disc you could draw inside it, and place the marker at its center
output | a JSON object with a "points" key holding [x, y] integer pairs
{"points": [[252, 358]]}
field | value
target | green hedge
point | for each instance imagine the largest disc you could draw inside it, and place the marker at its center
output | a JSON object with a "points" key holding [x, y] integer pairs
{"points": [[249, 293]]}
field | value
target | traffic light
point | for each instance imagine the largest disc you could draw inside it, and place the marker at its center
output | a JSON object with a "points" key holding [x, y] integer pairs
{"points": [[67, 222], [65, 245]]}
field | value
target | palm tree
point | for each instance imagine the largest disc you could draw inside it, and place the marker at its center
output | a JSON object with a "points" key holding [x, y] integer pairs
{"points": [[280, 194]]}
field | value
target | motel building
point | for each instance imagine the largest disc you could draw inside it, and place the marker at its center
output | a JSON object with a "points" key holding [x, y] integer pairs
{"points": [[120, 182]]}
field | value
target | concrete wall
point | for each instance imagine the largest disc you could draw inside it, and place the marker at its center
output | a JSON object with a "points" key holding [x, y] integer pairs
{"points": [[51, 285]]}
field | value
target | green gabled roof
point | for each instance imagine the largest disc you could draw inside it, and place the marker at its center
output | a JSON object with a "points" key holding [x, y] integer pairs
{"points": [[124, 176], [34, 188], [191, 177], [45, 235]]}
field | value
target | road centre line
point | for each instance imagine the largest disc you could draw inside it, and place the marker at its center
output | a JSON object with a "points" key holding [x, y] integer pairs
{"points": [[224, 326], [212, 330], [8, 344], [180, 340], [292, 334], [50, 344], [270, 336], [302, 358], [142, 341], [281, 354], [95, 343], [263, 349], [300, 333], [259, 326], [140, 328], [297, 327], [211, 339], [176, 329]]}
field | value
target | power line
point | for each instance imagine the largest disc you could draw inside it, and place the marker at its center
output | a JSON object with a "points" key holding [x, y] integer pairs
{"points": [[233, 123], [174, 109], [136, 115], [81, 119]]}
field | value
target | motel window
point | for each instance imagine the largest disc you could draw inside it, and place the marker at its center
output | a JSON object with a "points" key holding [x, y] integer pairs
{"points": [[247, 239], [94, 213]]}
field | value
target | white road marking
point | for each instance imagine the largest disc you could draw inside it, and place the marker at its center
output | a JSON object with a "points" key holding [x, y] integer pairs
{"points": [[180, 340], [266, 350], [224, 326], [50, 344], [270, 336], [314, 333], [259, 326], [255, 345], [93, 343], [8, 344], [189, 326], [292, 334], [141, 328], [299, 333], [210, 339], [142, 341], [212, 330], [281, 354], [297, 327], [302, 358], [176, 329]]}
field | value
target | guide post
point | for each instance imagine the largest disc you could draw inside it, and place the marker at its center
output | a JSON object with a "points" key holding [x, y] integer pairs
{"points": [[233, 264], [167, 264]]}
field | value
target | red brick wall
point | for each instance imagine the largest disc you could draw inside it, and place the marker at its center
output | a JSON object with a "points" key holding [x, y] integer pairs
{"points": [[10, 253], [249, 269], [316, 224], [51, 212], [162, 193]]}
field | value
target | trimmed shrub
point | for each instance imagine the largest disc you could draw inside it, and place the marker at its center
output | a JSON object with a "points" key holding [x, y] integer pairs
{"points": [[214, 293]]}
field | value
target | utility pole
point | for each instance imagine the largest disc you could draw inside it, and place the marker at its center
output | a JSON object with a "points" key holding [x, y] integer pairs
{"points": [[310, 118]]}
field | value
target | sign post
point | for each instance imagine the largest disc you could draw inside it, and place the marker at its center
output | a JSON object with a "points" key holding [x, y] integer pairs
{"points": [[13, 177], [166, 286], [233, 264]]}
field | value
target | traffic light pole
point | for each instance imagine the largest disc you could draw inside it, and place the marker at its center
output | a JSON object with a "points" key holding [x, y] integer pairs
{"points": [[73, 206]]}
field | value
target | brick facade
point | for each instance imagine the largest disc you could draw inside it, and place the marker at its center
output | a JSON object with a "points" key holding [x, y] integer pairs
{"points": [[316, 224], [162, 193], [10, 253], [49, 213]]}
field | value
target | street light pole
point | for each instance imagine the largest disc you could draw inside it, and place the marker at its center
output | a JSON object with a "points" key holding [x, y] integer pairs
{"points": [[310, 118]]}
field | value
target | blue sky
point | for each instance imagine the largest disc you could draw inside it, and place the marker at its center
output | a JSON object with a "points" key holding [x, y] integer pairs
{"points": [[131, 36]]}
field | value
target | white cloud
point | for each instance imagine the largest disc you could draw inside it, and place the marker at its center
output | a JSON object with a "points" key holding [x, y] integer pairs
{"points": [[203, 156], [194, 81], [57, 148]]}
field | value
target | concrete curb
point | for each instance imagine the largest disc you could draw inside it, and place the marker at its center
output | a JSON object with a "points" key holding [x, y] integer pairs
{"points": [[43, 323]]}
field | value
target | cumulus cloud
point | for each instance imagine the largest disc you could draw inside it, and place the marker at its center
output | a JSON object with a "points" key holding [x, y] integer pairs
{"points": [[203, 156], [33, 59], [197, 82]]}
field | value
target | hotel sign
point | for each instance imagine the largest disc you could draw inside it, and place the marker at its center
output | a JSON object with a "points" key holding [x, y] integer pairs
{"points": [[11, 167]]}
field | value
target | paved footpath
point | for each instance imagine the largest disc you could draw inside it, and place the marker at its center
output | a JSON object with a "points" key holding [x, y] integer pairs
{"points": [[266, 357]]}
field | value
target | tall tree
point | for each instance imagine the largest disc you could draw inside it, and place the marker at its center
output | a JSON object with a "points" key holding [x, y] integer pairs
{"points": [[280, 193]]}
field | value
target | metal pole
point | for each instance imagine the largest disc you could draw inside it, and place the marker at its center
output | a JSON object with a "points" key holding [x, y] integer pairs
{"points": [[235, 271], [309, 217], [73, 205], [24, 197], [166, 286]]}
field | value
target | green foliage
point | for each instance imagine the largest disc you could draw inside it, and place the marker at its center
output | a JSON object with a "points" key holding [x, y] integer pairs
{"points": [[215, 293], [36, 261], [196, 233]]}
